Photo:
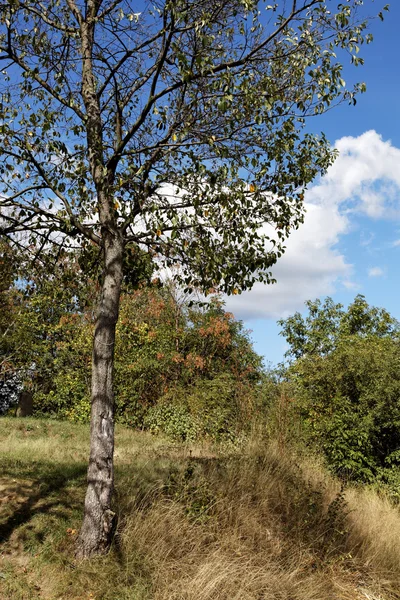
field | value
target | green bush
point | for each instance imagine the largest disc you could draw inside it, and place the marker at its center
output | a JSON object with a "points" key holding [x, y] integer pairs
{"points": [[216, 406], [211, 409], [350, 404], [175, 359], [173, 420], [69, 399]]}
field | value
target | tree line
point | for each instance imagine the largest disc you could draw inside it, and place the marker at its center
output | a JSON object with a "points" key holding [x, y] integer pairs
{"points": [[181, 366]]}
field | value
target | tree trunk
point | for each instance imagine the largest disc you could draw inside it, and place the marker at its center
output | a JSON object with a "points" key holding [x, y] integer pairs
{"points": [[99, 520]]}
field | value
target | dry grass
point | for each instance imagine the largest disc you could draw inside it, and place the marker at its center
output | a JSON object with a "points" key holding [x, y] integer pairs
{"points": [[249, 528], [374, 535], [194, 524]]}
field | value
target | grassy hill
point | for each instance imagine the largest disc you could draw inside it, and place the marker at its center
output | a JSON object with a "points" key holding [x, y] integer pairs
{"points": [[250, 522]]}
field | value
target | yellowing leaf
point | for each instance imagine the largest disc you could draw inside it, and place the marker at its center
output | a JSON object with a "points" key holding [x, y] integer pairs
{"points": [[158, 232], [252, 187], [174, 137]]}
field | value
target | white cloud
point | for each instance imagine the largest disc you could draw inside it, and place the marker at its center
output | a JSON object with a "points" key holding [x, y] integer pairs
{"points": [[309, 268], [351, 285], [375, 272], [365, 179]]}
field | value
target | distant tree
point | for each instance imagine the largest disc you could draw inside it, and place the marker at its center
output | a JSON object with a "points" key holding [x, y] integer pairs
{"points": [[169, 353], [327, 323], [177, 130], [349, 402], [347, 385], [32, 304]]}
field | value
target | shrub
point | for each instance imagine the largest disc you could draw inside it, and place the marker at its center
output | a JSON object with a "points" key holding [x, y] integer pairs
{"points": [[349, 401], [174, 420]]}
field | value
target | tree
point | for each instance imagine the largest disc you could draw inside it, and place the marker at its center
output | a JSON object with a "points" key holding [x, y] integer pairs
{"points": [[177, 130], [349, 404], [345, 376], [174, 359], [39, 308], [327, 323]]}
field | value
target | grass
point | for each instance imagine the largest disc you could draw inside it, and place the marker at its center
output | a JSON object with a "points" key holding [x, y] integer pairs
{"points": [[194, 523]]}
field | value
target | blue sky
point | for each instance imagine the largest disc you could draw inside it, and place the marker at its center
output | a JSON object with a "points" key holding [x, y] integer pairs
{"points": [[350, 241]]}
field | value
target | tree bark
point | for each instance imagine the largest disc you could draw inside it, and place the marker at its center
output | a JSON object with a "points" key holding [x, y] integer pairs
{"points": [[99, 520]]}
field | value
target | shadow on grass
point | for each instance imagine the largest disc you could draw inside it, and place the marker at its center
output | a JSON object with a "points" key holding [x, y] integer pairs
{"points": [[139, 485], [49, 481], [40, 487]]}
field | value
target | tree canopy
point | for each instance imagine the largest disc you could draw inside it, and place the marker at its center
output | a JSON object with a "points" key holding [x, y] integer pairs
{"points": [[345, 379], [188, 116], [327, 323]]}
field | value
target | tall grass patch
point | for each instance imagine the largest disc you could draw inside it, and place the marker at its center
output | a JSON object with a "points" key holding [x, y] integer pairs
{"points": [[195, 523]]}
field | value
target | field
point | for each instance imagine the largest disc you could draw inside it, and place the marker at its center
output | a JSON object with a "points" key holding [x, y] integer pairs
{"points": [[247, 522]]}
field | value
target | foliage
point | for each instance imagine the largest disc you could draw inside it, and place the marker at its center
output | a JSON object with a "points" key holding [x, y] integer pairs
{"points": [[10, 302], [182, 362], [45, 333], [174, 420], [10, 384], [181, 127], [66, 393], [181, 368], [209, 408], [348, 392], [326, 323]]}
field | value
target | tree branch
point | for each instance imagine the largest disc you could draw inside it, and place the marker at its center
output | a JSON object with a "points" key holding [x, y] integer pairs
{"points": [[107, 11], [10, 54], [88, 233], [75, 11], [43, 16], [124, 58], [197, 76]]}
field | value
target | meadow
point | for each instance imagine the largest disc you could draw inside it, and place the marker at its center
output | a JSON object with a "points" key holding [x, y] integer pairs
{"points": [[251, 520]]}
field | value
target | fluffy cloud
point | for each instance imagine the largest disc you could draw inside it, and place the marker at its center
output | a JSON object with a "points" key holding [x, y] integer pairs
{"points": [[365, 179], [309, 268]]}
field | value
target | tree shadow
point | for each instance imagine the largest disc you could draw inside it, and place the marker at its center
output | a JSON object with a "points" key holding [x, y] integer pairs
{"points": [[46, 480]]}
